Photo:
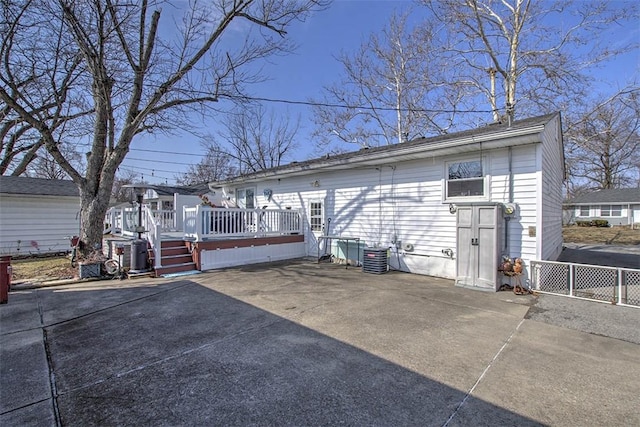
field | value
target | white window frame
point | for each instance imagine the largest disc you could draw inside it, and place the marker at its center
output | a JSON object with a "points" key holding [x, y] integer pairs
{"points": [[580, 213], [485, 181], [611, 211], [314, 226], [242, 202]]}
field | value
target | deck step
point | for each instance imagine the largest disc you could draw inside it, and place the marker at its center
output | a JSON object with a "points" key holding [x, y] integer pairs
{"points": [[172, 243], [174, 250], [175, 268], [176, 259]]}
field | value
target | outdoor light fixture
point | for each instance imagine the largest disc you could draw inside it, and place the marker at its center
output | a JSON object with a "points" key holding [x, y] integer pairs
{"points": [[452, 208], [139, 246], [139, 190]]}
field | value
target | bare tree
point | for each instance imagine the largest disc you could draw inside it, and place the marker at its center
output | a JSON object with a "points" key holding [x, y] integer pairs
{"points": [[43, 165], [119, 192], [215, 165], [393, 90], [42, 82], [110, 56], [527, 55], [257, 139], [603, 145]]}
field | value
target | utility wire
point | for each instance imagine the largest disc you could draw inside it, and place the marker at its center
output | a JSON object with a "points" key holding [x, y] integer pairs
{"points": [[346, 106]]}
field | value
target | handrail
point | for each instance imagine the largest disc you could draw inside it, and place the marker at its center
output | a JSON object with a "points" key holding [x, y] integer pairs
{"points": [[204, 222], [153, 231]]}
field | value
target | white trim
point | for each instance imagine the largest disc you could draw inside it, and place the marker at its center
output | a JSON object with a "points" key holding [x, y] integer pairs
{"points": [[486, 181]]}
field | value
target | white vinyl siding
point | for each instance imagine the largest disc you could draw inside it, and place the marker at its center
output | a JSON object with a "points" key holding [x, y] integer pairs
{"points": [[552, 179], [404, 203], [37, 224]]}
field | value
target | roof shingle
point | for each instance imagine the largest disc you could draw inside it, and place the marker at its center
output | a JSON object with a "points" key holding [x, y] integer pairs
{"points": [[38, 186]]}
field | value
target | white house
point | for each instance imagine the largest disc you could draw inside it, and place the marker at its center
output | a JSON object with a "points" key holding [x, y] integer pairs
{"points": [[448, 206], [168, 201], [37, 215], [620, 206]]}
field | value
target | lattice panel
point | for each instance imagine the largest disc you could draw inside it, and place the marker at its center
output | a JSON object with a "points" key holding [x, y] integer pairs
{"points": [[551, 277], [631, 287], [595, 282]]}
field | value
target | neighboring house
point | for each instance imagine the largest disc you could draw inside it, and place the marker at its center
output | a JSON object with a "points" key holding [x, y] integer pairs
{"points": [[37, 216], [620, 206], [448, 206]]}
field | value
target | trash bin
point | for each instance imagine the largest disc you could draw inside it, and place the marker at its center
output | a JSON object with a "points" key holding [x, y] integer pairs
{"points": [[5, 278], [138, 256]]}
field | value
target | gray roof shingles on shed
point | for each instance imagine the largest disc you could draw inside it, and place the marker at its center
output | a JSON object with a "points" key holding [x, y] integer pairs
{"points": [[616, 195], [38, 186]]}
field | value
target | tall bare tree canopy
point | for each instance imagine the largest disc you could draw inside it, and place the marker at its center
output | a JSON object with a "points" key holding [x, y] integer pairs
{"points": [[393, 87], [603, 145], [257, 139], [527, 56], [112, 69]]}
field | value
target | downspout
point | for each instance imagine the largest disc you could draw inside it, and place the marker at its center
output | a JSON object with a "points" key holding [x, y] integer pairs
{"points": [[508, 217]]}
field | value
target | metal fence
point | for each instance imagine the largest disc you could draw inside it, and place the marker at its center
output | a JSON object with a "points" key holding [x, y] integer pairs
{"points": [[610, 284]]}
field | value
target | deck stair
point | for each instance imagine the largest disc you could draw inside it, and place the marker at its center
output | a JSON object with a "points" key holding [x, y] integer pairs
{"points": [[176, 258]]}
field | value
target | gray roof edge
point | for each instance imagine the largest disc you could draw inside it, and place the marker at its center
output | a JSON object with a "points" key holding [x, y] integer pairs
{"points": [[533, 125], [608, 196]]}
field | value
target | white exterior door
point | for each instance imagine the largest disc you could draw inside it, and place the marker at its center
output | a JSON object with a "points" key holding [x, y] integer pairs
{"points": [[316, 227]]}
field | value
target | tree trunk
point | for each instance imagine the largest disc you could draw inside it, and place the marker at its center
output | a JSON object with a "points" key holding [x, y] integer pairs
{"points": [[93, 208]]}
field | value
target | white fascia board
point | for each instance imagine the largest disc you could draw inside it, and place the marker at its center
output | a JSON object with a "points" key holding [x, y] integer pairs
{"points": [[495, 140]]}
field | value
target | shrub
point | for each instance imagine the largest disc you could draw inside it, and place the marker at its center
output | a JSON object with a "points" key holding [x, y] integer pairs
{"points": [[593, 223]]}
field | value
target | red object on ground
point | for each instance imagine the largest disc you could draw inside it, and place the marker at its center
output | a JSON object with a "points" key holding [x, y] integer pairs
{"points": [[5, 278]]}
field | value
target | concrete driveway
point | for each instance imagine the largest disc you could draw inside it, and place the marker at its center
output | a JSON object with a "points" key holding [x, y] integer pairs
{"points": [[301, 344]]}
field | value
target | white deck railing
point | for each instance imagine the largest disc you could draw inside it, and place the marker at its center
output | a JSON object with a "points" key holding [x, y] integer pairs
{"points": [[204, 222]]}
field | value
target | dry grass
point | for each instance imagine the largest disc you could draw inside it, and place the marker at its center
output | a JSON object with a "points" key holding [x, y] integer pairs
{"points": [[56, 268], [601, 235], [42, 269]]}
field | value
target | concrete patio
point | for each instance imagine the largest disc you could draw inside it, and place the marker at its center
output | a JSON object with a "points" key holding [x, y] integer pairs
{"points": [[301, 343]]}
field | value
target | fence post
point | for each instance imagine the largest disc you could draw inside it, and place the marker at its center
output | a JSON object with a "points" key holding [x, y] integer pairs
{"points": [[571, 278], [619, 299]]}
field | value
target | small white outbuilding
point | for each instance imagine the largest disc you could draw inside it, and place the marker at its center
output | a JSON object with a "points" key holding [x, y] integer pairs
{"points": [[37, 215]]}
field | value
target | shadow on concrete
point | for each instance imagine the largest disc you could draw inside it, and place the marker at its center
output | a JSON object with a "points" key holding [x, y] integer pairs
{"points": [[606, 255], [182, 354]]}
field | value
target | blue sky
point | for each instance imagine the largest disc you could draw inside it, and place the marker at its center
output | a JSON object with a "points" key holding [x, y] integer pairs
{"points": [[301, 76]]}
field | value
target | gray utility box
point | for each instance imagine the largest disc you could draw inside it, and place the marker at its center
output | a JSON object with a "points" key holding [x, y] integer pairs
{"points": [[374, 260]]}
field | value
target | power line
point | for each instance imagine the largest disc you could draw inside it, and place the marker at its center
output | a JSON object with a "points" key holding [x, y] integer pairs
{"points": [[165, 152], [159, 161], [347, 106]]}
